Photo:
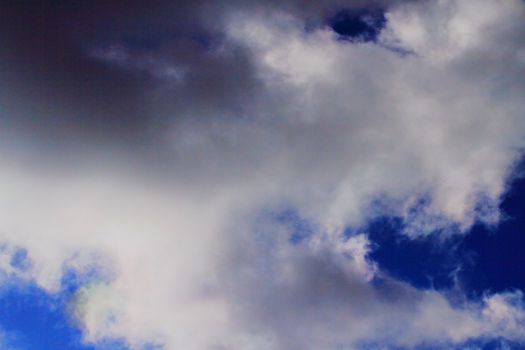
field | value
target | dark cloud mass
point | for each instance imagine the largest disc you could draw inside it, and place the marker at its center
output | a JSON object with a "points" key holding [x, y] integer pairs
{"points": [[55, 88], [94, 70]]}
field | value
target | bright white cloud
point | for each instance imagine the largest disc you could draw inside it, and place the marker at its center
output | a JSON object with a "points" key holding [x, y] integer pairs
{"points": [[385, 125], [185, 256]]}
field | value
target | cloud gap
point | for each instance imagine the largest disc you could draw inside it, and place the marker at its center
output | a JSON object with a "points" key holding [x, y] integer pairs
{"points": [[358, 25]]}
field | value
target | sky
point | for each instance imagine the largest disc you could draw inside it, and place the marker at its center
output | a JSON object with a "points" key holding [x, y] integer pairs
{"points": [[262, 175]]}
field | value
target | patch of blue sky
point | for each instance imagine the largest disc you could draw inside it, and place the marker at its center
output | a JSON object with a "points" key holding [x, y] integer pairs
{"points": [[365, 26], [299, 227], [358, 25], [20, 260], [483, 344], [473, 344], [34, 319], [426, 262], [488, 259], [496, 260]]}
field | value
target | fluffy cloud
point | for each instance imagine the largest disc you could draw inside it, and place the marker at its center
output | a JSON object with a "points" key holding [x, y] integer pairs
{"points": [[387, 125], [426, 123]]}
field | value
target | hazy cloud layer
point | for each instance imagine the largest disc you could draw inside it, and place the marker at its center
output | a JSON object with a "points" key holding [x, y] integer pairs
{"points": [[151, 144]]}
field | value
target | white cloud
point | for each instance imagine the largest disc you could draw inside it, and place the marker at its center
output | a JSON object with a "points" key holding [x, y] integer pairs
{"points": [[385, 125]]}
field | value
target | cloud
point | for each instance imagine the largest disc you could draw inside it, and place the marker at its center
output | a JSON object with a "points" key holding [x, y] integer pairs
{"points": [[312, 297], [160, 182]]}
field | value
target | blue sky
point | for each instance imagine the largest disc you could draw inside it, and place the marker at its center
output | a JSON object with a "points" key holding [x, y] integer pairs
{"points": [[34, 319], [262, 175], [484, 260]]}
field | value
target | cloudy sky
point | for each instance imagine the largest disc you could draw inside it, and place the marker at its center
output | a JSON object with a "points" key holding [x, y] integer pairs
{"points": [[262, 175]]}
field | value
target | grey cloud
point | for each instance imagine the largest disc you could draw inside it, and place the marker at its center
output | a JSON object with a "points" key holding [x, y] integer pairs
{"points": [[61, 88], [299, 297]]}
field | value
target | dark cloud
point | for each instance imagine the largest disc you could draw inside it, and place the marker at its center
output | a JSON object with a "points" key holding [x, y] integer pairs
{"points": [[94, 71], [54, 87]]}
